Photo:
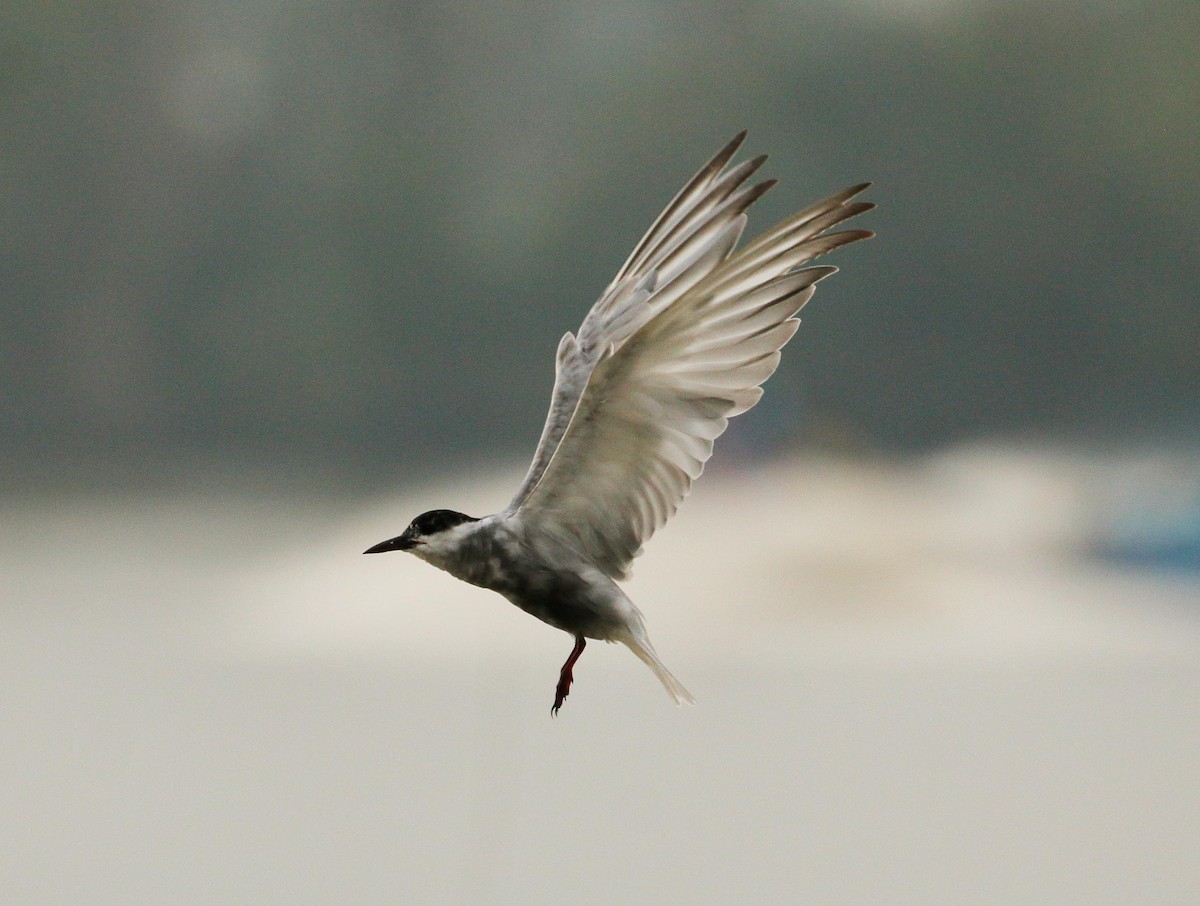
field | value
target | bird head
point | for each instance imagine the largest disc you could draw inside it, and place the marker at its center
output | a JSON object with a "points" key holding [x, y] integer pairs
{"points": [[424, 534]]}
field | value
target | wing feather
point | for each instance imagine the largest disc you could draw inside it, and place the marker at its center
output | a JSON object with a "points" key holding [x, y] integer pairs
{"points": [[623, 307], [680, 206], [679, 343]]}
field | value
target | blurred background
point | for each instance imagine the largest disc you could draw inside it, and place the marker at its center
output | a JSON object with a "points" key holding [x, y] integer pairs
{"points": [[275, 277]]}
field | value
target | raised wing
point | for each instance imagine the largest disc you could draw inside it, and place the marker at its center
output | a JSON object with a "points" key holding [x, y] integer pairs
{"points": [[622, 307], [678, 344]]}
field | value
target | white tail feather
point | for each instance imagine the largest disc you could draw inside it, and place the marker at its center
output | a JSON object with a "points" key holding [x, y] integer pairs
{"points": [[645, 651]]}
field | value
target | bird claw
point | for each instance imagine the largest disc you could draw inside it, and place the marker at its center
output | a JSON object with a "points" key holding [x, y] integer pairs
{"points": [[565, 677], [561, 691]]}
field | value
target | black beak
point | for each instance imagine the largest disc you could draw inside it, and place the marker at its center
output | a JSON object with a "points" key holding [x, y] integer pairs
{"points": [[399, 543]]}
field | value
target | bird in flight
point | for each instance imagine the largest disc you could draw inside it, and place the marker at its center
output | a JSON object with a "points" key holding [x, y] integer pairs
{"points": [[678, 343]]}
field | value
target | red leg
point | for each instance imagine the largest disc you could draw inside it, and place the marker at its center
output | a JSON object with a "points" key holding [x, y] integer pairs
{"points": [[563, 689]]}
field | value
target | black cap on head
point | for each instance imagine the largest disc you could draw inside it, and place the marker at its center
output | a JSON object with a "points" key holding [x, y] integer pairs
{"points": [[435, 521], [430, 523]]}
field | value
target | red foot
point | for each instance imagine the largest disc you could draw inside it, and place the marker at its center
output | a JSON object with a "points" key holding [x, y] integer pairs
{"points": [[565, 678]]}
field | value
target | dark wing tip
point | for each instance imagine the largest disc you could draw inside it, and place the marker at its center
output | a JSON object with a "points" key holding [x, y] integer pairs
{"points": [[855, 208], [818, 273], [848, 236], [755, 162], [758, 190], [830, 241], [726, 154]]}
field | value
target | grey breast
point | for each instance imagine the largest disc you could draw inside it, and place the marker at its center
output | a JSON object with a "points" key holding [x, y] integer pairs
{"points": [[546, 584]]}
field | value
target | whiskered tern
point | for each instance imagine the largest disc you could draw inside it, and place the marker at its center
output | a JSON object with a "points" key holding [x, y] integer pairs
{"points": [[677, 345]]}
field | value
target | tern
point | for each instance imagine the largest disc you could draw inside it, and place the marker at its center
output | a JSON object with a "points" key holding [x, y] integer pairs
{"points": [[678, 343]]}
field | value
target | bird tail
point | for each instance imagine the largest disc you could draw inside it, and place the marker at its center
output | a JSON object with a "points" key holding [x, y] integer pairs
{"points": [[645, 651]]}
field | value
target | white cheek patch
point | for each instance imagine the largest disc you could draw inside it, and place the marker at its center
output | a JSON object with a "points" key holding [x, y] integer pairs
{"points": [[444, 543]]}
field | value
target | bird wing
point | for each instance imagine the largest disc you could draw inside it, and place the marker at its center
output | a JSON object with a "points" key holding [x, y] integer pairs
{"points": [[677, 344]]}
